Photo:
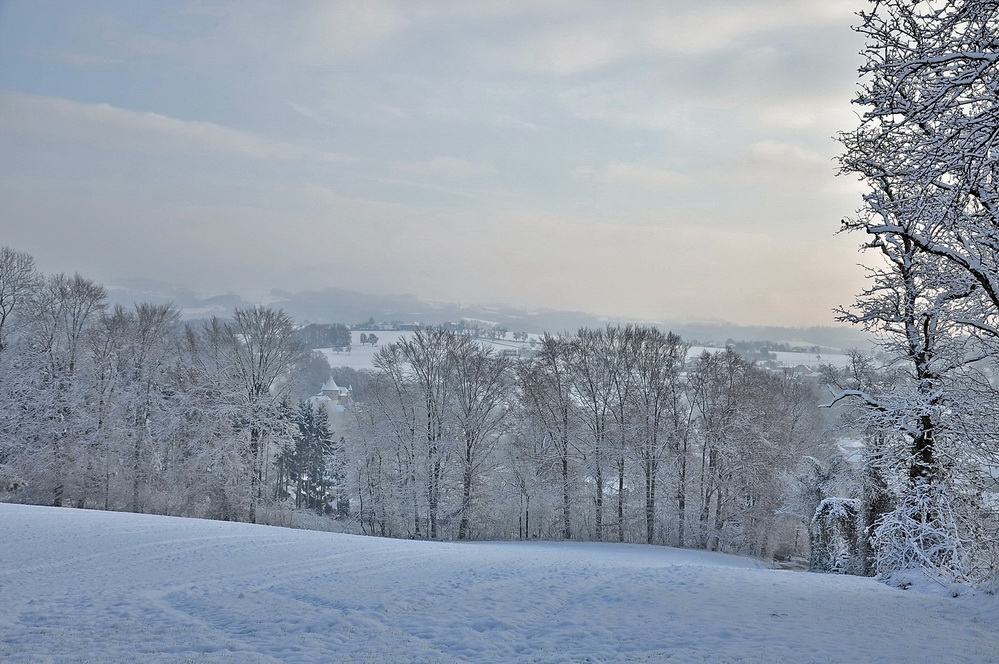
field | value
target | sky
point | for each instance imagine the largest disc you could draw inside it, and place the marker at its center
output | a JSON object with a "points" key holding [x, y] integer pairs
{"points": [[659, 160]]}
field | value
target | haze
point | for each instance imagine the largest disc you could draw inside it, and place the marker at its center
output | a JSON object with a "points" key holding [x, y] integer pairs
{"points": [[653, 160]]}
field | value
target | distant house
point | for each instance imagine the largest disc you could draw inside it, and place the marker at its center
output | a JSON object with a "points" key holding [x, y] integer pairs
{"points": [[335, 400]]}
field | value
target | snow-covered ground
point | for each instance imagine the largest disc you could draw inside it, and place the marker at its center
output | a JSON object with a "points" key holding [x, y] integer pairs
{"points": [[360, 356], [88, 586]]}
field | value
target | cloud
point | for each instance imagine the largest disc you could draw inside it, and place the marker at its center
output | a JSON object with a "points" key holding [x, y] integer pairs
{"points": [[789, 164], [636, 175], [590, 38], [710, 27], [579, 48], [446, 167], [788, 155], [313, 33], [309, 112], [85, 60], [109, 127]]}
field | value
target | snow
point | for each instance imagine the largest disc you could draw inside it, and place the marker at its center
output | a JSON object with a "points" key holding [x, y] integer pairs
{"points": [[89, 586], [838, 508], [361, 356]]}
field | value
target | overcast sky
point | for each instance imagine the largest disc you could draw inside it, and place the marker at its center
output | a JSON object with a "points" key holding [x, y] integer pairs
{"points": [[668, 159]]}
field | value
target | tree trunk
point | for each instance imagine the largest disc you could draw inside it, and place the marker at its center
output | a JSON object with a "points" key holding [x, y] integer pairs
{"points": [[599, 516], [923, 462], [719, 519], [681, 500], [57, 491], [566, 524], [254, 472], [527, 517], [466, 491], [650, 501], [433, 491], [620, 500]]}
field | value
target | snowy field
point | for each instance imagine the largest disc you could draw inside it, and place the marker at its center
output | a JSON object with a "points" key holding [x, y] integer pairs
{"points": [[88, 586], [360, 357]]}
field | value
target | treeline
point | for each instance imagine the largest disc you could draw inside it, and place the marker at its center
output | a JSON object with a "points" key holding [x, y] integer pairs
{"points": [[127, 409], [472, 328], [324, 335], [609, 434]]}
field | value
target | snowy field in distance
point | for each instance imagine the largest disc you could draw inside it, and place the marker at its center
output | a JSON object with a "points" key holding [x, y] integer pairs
{"points": [[89, 586], [360, 357]]}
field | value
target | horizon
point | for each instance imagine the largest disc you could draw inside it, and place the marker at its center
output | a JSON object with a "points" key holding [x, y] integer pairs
{"points": [[355, 307], [278, 295]]}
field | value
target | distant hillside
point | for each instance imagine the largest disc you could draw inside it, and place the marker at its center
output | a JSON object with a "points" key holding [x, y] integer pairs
{"points": [[334, 305]]}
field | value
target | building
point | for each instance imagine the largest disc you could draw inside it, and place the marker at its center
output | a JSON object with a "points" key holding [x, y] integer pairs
{"points": [[335, 400]]}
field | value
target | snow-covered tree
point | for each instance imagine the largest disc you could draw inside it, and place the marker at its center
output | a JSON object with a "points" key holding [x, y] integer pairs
{"points": [[246, 357], [131, 354], [59, 318], [835, 536], [19, 281], [926, 148], [548, 406], [593, 377], [312, 466], [663, 422], [429, 355], [479, 406], [752, 429]]}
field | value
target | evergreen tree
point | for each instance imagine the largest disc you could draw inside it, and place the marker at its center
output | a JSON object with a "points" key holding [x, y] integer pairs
{"points": [[315, 465]]}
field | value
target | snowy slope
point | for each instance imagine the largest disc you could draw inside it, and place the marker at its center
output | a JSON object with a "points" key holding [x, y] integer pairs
{"points": [[107, 587]]}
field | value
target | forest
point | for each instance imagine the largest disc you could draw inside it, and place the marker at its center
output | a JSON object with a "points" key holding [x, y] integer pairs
{"points": [[605, 434]]}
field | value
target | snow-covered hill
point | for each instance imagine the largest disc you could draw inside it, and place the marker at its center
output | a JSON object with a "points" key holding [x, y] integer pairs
{"points": [[88, 586]]}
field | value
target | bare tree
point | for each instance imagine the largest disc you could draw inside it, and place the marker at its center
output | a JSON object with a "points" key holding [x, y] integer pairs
{"points": [[927, 142], [480, 405], [593, 386], [663, 414], [254, 350], [621, 357], [151, 347], [716, 381], [60, 314], [19, 280], [393, 444], [546, 396], [430, 358]]}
